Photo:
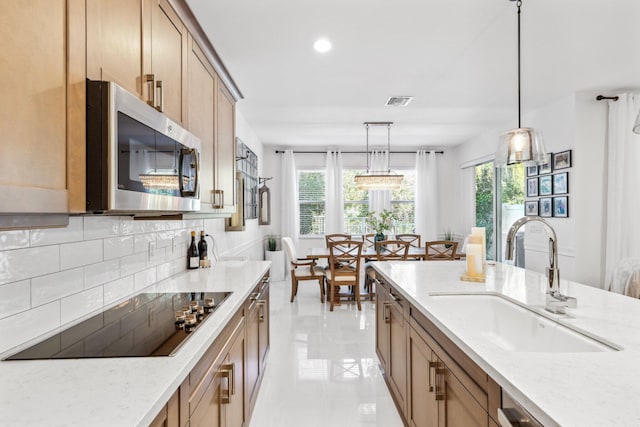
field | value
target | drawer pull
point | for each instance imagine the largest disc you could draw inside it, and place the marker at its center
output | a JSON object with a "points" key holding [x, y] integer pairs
{"points": [[227, 372], [261, 303], [160, 95], [431, 365], [149, 80], [440, 392], [385, 311]]}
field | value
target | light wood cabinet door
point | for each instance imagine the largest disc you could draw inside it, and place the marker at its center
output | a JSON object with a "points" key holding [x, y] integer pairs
{"points": [[225, 176], [234, 407], [42, 105], [263, 326], [382, 326], [397, 363], [208, 411], [422, 404], [253, 351], [458, 408], [114, 42], [168, 47], [201, 117]]}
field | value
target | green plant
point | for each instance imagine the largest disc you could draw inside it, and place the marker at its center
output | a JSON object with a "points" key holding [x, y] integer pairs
{"points": [[381, 222], [448, 234], [271, 244]]}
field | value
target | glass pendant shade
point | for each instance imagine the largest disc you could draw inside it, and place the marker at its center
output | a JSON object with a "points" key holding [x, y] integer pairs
{"points": [[521, 145], [378, 181]]}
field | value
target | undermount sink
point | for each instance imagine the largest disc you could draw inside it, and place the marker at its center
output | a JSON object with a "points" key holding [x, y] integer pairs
{"points": [[514, 327]]}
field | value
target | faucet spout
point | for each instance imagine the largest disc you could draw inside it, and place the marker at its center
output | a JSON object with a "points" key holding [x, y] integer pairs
{"points": [[555, 302]]}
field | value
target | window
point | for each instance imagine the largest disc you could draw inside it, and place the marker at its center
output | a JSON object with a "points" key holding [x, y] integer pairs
{"points": [[311, 186], [311, 198]]}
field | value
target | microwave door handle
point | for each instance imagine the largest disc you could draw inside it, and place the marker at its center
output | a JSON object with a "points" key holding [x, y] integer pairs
{"points": [[183, 152]]}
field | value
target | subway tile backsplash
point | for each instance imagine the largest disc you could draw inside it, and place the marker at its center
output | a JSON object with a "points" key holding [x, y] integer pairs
{"points": [[49, 277]]}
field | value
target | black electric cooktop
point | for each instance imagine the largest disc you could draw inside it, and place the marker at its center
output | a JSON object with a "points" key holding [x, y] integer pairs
{"points": [[144, 325]]}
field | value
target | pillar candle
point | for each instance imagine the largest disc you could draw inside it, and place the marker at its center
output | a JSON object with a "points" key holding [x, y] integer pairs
{"points": [[474, 259], [480, 231]]}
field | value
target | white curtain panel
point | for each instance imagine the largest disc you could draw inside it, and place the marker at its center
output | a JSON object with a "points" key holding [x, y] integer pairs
{"points": [[379, 200], [426, 196], [334, 194], [623, 180], [289, 190]]}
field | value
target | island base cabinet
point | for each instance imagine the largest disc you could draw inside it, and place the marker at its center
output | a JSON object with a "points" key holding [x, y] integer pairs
{"points": [[257, 341]]}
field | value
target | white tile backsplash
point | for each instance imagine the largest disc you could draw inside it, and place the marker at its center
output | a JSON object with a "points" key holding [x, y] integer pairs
{"points": [[55, 286], [81, 253], [15, 297], [49, 277]]}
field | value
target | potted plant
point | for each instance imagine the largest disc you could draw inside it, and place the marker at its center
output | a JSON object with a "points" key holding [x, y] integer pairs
{"points": [[448, 235], [380, 222], [275, 254]]}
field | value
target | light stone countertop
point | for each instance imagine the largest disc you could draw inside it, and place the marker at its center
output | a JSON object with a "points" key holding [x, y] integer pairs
{"points": [[121, 391], [569, 389]]}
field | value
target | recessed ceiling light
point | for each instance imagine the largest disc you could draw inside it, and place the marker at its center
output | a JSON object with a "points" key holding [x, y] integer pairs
{"points": [[322, 45]]}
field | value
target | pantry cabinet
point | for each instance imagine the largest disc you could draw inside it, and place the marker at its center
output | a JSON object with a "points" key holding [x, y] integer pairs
{"points": [[142, 46], [42, 106]]}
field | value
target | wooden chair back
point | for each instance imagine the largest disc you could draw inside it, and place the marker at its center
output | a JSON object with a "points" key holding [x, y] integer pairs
{"points": [[369, 240], [392, 250], [413, 239], [329, 238], [344, 262], [441, 250]]}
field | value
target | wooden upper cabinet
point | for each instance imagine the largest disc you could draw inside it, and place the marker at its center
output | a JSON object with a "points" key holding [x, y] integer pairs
{"points": [[225, 146], [142, 46], [41, 105]]}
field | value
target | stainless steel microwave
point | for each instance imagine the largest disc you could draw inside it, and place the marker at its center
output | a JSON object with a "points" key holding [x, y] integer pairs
{"points": [[138, 160]]}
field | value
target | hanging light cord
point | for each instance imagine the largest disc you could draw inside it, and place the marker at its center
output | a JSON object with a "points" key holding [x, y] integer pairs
{"points": [[388, 148], [519, 4], [367, 126]]}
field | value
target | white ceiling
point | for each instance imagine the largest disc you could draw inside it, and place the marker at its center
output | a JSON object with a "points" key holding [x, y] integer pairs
{"points": [[457, 58]]}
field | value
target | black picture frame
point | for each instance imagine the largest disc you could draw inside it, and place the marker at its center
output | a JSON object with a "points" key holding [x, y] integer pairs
{"points": [[561, 183], [531, 208], [545, 185], [546, 207], [532, 170], [561, 207], [532, 187], [546, 167], [562, 160]]}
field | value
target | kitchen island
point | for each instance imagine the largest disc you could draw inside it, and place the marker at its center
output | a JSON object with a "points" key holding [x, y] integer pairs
{"points": [[586, 388], [128, 391]]}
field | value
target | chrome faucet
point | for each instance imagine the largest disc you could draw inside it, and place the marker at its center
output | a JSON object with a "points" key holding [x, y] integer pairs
{"points": [[555, 301]]}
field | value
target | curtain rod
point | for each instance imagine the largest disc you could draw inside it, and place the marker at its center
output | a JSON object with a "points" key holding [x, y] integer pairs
{"points": [[352, 152], [601, 97]]}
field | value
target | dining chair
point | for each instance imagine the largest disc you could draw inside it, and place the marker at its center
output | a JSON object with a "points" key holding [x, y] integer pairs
{"points": [[302, 269], [386, 250], [344, 270], [368, 240], [336, 238], [440, 250], [413, 239], [625, 278]]}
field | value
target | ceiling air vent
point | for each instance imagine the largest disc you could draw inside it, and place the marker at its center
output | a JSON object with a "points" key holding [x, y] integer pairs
{"points": [[398, 101]]}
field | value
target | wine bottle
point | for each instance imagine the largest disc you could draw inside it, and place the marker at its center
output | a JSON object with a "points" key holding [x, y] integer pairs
{"points": [[202, 247], [193, 260]]}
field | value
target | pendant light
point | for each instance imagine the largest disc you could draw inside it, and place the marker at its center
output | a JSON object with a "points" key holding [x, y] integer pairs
{"points": [[379, 180], [521, 145]]}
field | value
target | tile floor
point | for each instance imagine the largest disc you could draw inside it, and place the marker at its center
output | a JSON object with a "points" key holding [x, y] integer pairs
{"points": [[322, 369]]}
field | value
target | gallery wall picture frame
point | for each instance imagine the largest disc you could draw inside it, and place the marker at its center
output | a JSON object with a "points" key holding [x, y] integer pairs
{"points": [[561, 207], [545, 185], [561, 183], [546, 207], [532, 170], [531, 208], [562, 160], [547, 167], [532, 187]]}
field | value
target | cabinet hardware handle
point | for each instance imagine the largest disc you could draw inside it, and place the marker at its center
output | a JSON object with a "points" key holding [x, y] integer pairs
{"points": [[160, 95], [261, 303], [149, 80], [227, 371], [385, 308], [431, 365], [218, 199], [254, 296], [440, 393], [395, 297]]}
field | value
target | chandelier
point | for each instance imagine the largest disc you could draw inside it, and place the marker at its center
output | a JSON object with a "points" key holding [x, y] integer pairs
{"points": [[521, 145], [378, 180]]}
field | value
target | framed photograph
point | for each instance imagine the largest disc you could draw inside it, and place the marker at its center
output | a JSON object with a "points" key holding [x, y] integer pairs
{"points": [[532, 187], [561, 183], [544, 185], [532, 170], [561, 207], [531, 208], [546, 208], [547, 167], [562, 160]]}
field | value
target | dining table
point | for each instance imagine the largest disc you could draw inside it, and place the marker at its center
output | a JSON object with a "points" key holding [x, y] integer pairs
{"points": [[368, 253]]}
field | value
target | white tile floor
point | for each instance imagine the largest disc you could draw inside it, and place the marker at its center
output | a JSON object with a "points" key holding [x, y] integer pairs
{"points": [[322, 369]]}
